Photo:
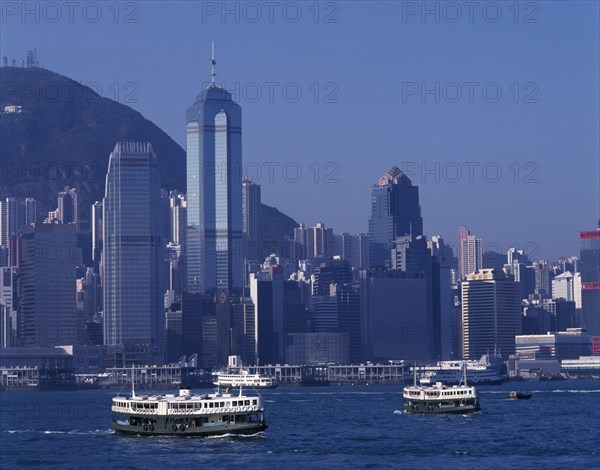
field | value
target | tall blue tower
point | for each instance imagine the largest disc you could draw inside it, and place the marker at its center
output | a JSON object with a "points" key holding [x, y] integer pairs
{"points": [[395, 212], [214, 190]]}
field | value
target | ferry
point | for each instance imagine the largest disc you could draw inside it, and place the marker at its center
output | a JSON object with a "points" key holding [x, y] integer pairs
{"points": [[485, 371], [188, 415], [440, 398], [236, 376]]}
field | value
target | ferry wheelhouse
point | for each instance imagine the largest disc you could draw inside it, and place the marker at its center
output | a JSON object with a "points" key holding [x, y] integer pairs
{"points": [[440, 398], [188, 415]]}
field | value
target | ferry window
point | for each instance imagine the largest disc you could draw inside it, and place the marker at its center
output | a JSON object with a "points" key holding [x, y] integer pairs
{"points": [[211, 404], [254, 402], [246, 403], [234, 403], [222, 404]]}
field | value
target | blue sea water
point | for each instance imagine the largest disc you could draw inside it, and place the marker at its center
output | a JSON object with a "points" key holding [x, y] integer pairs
{"points": [[319, 427]]}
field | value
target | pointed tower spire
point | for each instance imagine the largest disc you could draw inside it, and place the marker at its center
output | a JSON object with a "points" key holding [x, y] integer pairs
{"points": [[213, 62]]}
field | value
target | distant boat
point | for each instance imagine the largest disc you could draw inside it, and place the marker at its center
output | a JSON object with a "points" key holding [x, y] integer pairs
{"points": [[485, 371], [236, 376], [440, 398], [519, 395]]}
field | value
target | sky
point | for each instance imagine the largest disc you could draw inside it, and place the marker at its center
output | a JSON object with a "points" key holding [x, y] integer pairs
{"points": [[491, 108]]}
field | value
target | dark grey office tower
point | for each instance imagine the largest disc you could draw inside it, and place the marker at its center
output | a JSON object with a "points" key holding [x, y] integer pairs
{"points": [[250, 206], [192, 311], [411, 254], [214, 191], [393, 313], [334, 271], [133, 254], [395, 212], [444, 324], [590, 280], [563, 313], [48, 259], [348, 309]]}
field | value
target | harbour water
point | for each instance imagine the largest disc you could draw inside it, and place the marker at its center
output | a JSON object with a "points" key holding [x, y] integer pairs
{"points": [[319, 427]]}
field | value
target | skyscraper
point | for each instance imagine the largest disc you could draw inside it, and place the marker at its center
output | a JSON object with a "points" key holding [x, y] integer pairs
{"points": [[133, 253], [9, 219], [48, 259], [178, 218], [470, 253], [68, 206], [395, 211], [491, 313], [304, 239], [463, 233], [250, 206], [214, 190], [96, 233], [590, 280], [8, 307], [30, 207], [323, 241]]}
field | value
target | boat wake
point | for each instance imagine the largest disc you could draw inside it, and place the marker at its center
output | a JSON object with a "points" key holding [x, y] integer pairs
{"points": [[53, 431], [260, 434]]}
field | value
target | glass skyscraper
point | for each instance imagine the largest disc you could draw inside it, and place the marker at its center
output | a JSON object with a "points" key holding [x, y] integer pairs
{"points": [[133, 250], [214, 191], [590, 280], [395, 212]]}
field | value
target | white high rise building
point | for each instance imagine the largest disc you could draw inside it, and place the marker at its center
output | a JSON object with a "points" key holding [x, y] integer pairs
{"points": [[491, 313]]}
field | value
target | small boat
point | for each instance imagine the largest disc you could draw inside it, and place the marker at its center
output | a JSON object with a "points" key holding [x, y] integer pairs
{"points": [[440, 398], [514, 395], [236, 376], [187, 414]]}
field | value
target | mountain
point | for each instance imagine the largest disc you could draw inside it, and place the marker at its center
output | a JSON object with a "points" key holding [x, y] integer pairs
{"points": [[273, 227], [63, 137]]}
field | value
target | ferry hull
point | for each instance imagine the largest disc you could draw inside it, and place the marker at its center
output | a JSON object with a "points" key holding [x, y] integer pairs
{"points": [[198, 431], [435, 408]]}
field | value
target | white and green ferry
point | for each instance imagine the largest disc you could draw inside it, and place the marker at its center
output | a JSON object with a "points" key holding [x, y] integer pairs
{"points": [[440, 398], [188, 415]]}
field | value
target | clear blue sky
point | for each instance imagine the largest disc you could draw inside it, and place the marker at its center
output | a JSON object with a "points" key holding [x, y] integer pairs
{"points": [[373, 64]]}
